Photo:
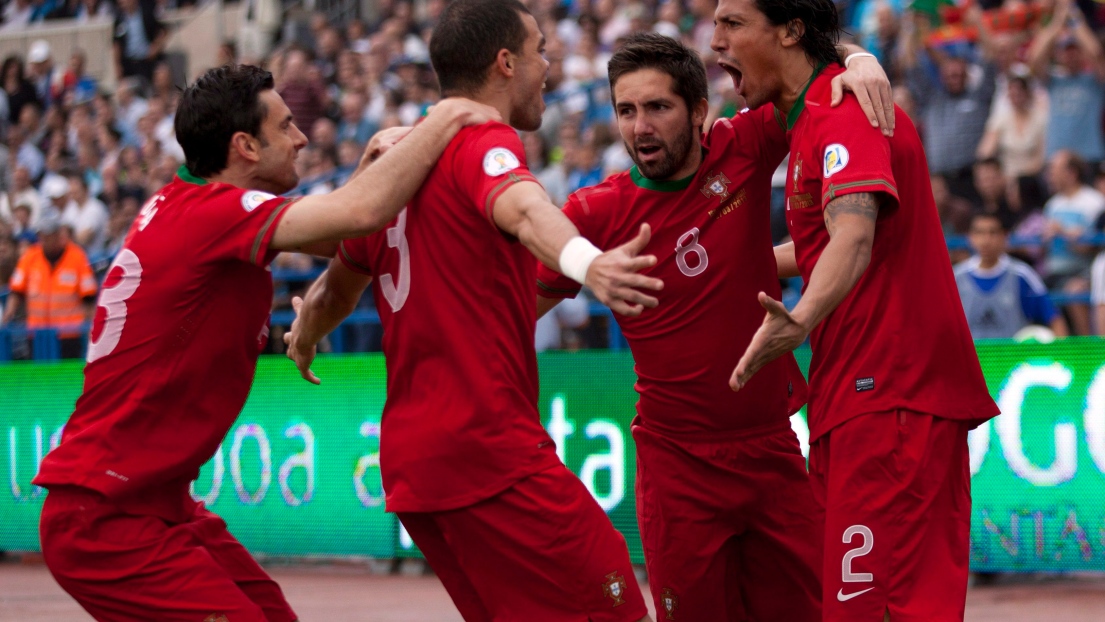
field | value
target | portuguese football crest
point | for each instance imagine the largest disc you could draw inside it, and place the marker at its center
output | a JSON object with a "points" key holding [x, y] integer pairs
{"points": [[670, 602], [615, 588], [717, 186]]}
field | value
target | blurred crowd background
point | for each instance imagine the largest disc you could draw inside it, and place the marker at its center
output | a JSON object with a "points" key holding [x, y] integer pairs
{"points": [[1008, 96]]}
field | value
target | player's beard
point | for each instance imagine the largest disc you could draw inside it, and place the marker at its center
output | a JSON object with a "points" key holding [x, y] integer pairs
{"points": [[675, 155]]}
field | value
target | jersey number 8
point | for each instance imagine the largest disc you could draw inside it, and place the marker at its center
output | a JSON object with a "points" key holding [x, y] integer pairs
{"points": [[688, 245], [114, 302]]}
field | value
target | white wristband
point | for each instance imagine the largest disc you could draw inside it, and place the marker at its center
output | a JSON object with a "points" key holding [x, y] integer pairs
{"points": [[576, 258], [848, 58]]}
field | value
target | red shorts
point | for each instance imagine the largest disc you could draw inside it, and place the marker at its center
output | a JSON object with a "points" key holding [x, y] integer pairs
{"points": [[121, 567], [896, 488], [729, 527], [541, 550]]}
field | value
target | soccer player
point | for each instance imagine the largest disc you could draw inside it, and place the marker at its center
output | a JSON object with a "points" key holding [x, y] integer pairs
{"points": [[742, 541], [181, 320], [465, 462], [895, 383]]}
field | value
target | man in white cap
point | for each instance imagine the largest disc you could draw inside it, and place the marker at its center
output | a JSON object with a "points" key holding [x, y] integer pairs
{"points": [[56, 191], [40, 62]]}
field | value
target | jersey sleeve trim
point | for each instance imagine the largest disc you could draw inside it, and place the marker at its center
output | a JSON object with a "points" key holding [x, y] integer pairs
{"points": [[497, 191], [833, 191], [548, 291], [352, 264], [263, 236]]}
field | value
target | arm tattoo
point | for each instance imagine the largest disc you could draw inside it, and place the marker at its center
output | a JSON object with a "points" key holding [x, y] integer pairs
{"points": [[864, 204]]}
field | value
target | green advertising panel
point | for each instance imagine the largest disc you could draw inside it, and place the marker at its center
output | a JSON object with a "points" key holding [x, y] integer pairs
{"points": [[298, 474]]}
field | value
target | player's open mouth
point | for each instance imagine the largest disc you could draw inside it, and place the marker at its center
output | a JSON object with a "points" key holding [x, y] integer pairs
{"points": [[649, 152], [733, 73]]}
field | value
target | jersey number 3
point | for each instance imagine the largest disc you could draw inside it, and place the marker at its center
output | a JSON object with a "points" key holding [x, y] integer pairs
{"points": [[114, 302], [397, 290], [688, 245]]}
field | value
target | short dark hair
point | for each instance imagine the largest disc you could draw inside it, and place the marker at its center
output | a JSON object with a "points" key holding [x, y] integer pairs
{"points": [[222, 102], [821, 22], [650, 50], [1003, 223], [468, 37]]}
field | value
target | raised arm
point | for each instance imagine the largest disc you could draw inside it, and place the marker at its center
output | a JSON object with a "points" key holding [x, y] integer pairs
{"points": [[375, 196], [524, 211], [1039, 53], [786, 262]]}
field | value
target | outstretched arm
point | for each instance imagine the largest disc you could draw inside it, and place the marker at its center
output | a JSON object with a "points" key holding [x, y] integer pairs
{"points": [[524, 211], [850, 220]]}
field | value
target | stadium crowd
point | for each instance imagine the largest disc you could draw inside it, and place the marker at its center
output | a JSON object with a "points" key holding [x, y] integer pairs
{"points": [[1008, 96]]}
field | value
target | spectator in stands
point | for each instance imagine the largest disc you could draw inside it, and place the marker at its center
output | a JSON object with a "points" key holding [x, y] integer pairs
{"points": [[9, 255], [22, 192], [1001, 295], [41, 73], [85, 215], [992, 187], [18, 90], [1016, 134], [1068, 57], [355, 126], [260, 22], [301, 89], [55, 281], [1070, 214], [25, 153], [557, 329], [139, 39], [131, 107], [953, 111]]}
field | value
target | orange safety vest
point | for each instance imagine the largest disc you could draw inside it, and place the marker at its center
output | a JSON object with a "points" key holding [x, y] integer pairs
{"points": [[54, 293]]}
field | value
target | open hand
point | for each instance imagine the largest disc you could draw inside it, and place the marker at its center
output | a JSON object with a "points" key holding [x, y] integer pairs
{"points": [[780, 333], [613, 276]]}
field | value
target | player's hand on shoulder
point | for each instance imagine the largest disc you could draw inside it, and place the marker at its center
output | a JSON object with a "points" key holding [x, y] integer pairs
{"points": [[465, 111], [780, 333], [613, 276], [380, 142], [299, 353], [866, 78]]}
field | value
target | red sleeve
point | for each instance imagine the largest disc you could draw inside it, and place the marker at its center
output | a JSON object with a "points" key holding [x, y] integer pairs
{"points": [[490, 161], [239, 224], [774, 128], [354, 254], [758, 134], [550, 283], [854, 157]]}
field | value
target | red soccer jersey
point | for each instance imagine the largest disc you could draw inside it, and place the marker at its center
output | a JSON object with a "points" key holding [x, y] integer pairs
{"points": [[899, 340], [455, 295], [182, 317], [711, 237]]}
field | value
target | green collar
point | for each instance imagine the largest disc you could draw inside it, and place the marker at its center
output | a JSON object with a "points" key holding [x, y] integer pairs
{"points": [[673, 185], [800, 105], [186, 176]]}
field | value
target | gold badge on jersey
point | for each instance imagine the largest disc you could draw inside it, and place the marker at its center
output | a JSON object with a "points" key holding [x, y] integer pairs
{"points": [[615, 588], [797, 175], [670, 602], [717, 186]]}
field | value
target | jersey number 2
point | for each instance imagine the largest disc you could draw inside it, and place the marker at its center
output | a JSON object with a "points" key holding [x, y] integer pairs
{"points": [[688, 245], [868, 543], [396, 290], [114, 302]]}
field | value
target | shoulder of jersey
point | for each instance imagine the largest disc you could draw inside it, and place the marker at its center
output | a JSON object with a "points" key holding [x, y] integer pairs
{"points": [[607, 194]]}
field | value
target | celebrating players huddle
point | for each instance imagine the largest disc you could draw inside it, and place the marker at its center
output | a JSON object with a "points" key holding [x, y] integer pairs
{"points": [[444, 225]]}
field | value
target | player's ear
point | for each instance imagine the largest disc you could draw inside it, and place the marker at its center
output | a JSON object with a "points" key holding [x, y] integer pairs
{"points": [[791, 33], [504, 63], [246, 146], [699, 113]]}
